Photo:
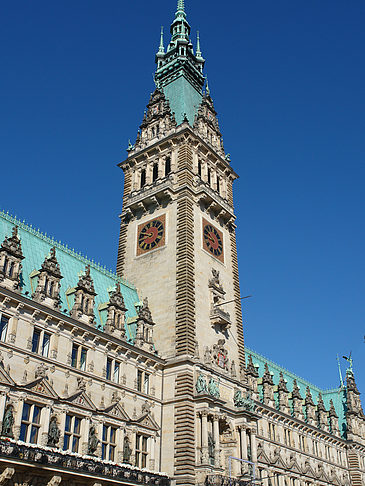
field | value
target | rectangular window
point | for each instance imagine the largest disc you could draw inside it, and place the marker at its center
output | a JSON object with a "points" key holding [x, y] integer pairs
{"points": [[36, 340], [143, 381], [208, 176], [4, 322], [143, 178], [30, 424], [218, 185], [155, 172], [146, 383], [45, 344], [78, 357], [108, 369], [116, 372], [74, 356], [141, 451], [139, 380], [199, 169], [108, 443], [167, 166], [71, 440]]}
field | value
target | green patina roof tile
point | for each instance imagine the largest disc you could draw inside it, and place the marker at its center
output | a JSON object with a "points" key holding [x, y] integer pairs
{"points": [[36, 247]]}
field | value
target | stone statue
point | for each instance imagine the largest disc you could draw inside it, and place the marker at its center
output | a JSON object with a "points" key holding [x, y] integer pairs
{"points": [[244, 402], [127, 451], [213, 388], [7, 430], [201, 385], [211, 448], [53, 433], [93, 440]]}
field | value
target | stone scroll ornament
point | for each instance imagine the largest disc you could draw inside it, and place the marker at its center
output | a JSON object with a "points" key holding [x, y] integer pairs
{"points": [[8, 422]]}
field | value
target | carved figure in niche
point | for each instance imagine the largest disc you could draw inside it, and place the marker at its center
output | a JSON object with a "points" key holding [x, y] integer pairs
{"points": [[211, 448], [53, 433], [93, 440], [127, 451], [201, 385], [213, 388], [41, 371], [8, 422]]}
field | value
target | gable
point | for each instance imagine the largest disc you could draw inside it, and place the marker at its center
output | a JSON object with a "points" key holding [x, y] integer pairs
{"points": [[5, 377], [115, 410], [147, 421], [82, 400], [41, 386]]}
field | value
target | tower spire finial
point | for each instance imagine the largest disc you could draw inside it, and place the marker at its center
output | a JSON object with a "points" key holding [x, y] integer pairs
{"points": [[198, 51], [161, 49], [180, 7]]}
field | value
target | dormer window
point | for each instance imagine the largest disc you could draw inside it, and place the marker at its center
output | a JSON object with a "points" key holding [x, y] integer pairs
{"points": [[167, 166]]}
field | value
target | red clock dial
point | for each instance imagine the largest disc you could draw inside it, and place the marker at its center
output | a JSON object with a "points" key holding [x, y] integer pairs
{"points": [[151, 235]]}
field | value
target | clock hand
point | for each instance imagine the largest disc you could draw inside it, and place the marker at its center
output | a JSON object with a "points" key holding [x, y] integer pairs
{"points": [[148, 235]]}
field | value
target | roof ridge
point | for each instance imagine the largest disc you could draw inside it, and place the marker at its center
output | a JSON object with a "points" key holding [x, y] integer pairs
{"points": [[50, 240], [281, 368]]}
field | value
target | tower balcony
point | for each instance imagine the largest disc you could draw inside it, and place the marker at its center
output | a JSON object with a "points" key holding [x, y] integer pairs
{"points": [[219, 317], [157, 194]]}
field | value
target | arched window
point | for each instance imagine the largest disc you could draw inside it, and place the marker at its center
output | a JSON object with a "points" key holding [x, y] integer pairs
{"points": [[155, 172], [143, 178]]}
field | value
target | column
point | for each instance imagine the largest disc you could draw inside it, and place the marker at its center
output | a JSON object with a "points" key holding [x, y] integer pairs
{"points": [[253, 446], [18, 409], [45, 418], [281, 480], [243, 442], [120, 444], [152, 447], [264, 476], [198, 439], [84, 439], [217, 446], [205, 455], [2, 407], [133, 446], [54, 345], [62, 428]]}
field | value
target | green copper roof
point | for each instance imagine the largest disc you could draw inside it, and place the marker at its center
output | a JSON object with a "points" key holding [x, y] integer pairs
{"points": [[36, 246], [179, 71], [337, 395]]}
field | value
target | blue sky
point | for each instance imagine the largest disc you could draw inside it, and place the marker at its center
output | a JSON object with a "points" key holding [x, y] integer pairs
{"points": [[287, 79]]}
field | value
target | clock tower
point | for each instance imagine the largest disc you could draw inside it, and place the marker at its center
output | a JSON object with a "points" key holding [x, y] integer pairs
{"points": [[177, 239]]}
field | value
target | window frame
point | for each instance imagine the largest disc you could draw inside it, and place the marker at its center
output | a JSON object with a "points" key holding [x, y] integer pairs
{"points": [[72, 435], [141, 452], [108, 448], [28, 426], [4, 328], [78, 356]]}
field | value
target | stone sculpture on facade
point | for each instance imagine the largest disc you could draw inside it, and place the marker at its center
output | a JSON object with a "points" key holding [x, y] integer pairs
{"points": [[201, 384], [8, 422], [93, 440], [53, 432]]}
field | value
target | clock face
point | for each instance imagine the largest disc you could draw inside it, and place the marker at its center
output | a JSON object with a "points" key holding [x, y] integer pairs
{"points": [[213, 240], [151, 235]]}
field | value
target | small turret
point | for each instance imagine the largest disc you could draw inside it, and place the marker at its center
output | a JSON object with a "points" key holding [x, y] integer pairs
{"points": [[11, 256]]}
